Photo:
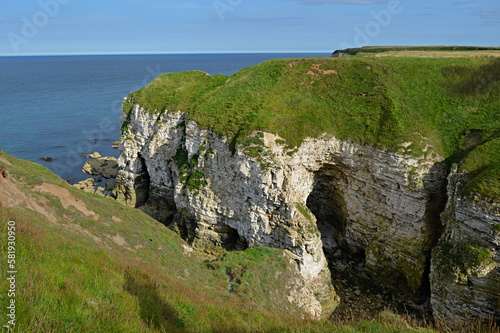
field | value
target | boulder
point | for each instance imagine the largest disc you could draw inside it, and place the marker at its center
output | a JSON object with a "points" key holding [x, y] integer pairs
{"points": [[87, 185], [104, 166], [95, 155], [111, 185]]}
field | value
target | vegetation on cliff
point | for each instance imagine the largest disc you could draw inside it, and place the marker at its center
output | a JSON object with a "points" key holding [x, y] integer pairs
{"points": [[88, 264], [421, 107]]}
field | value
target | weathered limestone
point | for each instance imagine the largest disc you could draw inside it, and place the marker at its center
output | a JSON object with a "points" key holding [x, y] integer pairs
{"points": [[465, 271], [376, 203]]}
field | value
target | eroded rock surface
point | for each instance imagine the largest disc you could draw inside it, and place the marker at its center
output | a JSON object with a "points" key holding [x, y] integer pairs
{"points": [[465, 271], [380, 205]]}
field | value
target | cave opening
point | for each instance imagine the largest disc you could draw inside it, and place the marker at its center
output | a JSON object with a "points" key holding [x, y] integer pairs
{"points": [[143, 182], [359, 291], [229, 238], [326, 202]]}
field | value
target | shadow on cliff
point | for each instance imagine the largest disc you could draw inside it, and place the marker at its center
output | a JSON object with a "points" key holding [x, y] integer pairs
{"points": [[347, 260]]}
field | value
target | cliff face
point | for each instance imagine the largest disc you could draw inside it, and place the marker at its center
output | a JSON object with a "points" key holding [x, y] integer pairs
{"points": [[465, 271], [328, 194]]}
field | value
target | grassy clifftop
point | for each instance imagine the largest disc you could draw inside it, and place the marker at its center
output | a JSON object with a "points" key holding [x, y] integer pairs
{"points": [[425, 50], [416, 106]]}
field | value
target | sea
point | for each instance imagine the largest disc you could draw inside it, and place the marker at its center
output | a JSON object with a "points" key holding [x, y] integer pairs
{"points": [[55, 110]]}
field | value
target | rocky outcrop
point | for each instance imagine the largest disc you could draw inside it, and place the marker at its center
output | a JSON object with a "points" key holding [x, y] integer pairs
{"points": [[88, 185], [465, 271], [326, 194], [104, 166], [94, 155]]}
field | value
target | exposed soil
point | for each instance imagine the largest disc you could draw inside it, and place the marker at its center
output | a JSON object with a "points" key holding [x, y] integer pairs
{"points": [[11, 196], [66, 197]]}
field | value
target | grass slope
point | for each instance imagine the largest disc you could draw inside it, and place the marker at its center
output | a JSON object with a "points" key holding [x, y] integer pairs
{"points": [[417, 106], [125, 272]]}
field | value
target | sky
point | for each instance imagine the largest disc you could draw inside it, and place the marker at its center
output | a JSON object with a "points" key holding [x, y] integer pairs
{"points": [[47, 27]]}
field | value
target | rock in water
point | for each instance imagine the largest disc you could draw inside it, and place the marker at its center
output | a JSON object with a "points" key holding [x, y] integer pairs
{"points": [[111, 185], [88, 185], [104, 166], [95, 155]]}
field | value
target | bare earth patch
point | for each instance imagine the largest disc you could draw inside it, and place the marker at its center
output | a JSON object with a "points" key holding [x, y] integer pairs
{"points": [[317, 67], [120, 241], [66, 197], [5, 161], [116, 219], [11, 195]]}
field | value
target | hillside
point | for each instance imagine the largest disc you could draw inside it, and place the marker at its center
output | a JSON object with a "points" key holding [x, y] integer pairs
{"points": [[88, 264], [416, 106]]}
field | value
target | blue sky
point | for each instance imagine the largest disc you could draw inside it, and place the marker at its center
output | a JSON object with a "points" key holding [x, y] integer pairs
{"points": [[213, 26]]}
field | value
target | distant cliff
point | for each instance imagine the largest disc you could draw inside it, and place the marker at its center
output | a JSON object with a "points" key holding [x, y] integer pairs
{"points": [[326, 156]]}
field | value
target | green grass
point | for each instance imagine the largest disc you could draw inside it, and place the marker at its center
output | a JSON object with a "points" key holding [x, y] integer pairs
{"points": [[466, 256], [483, 164], [381, 102], [72, 277], [306, 212]]}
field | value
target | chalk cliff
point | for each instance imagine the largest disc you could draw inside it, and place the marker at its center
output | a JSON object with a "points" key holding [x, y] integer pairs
{"points": [[336, 161], [465, 271], [354, 197]]}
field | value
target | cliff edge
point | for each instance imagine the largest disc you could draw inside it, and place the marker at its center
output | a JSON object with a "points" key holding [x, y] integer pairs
{"points": [[326, 159]]}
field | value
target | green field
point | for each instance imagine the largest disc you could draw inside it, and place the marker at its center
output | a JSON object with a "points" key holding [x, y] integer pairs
{"points": [[420, 107]]}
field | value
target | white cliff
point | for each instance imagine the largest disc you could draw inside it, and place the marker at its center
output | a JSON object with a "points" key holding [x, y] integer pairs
{"points": [[465, 271], [364, 200]]}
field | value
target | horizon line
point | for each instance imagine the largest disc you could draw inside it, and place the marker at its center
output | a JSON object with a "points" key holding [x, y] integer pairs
{"points": [[154, 53]]}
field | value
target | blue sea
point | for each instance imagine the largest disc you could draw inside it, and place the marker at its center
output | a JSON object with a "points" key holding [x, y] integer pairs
{"points": [[65, 107]]}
